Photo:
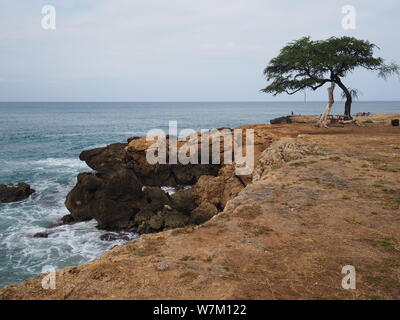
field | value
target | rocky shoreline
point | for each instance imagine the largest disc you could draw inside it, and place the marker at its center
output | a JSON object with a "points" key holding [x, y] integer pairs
{"points": [[125, 193], [319, 199]]}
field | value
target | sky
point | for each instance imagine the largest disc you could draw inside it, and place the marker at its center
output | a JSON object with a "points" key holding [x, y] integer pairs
{"points": [[176, 50]]}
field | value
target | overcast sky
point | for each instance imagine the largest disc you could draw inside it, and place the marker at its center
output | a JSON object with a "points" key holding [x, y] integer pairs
{"points": [[175, 50]]}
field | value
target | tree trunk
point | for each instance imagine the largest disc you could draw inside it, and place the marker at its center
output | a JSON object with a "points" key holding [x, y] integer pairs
{"points": [[331, 100], [349, 99]]}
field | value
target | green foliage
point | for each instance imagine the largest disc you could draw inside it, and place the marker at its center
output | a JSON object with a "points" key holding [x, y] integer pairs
{"points": [[355, 93], [310, 64]]}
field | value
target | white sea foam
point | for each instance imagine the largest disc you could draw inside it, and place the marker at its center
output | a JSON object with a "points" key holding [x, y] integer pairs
{"points": [[96, 146], [134, 133], [60, 162], [169, 190], [23, 256], [55, 165], [66, 244], [172, 190]]}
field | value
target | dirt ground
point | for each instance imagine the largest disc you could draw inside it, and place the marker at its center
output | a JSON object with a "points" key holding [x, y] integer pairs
{"points": [[285, 236]]}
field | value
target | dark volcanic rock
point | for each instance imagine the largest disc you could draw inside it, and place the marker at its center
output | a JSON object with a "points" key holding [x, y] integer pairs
{"points": [[124, 191], [281, 120], [163, 174], [106, 158], [68, 219], [112, 199], [175, 219], [14, 193], [156, 198], [113, 237], [41, 235], [184, 200], [204, 212]]}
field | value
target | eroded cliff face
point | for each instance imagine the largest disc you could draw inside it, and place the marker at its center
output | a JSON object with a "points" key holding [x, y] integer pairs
{"points": [[124, 191], [326, 199], [318, 202]]}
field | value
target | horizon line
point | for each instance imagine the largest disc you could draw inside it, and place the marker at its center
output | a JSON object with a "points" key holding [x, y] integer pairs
{"points": [[198, 101]]}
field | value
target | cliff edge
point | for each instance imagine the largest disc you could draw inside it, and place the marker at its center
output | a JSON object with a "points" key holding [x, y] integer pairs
{"points": [[319, 200]]}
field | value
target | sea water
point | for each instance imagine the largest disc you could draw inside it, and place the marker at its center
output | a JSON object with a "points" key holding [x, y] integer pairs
{"points": [[40, 144]]}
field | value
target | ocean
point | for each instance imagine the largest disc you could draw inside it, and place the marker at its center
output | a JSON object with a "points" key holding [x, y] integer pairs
{"points": [[40, 144]]}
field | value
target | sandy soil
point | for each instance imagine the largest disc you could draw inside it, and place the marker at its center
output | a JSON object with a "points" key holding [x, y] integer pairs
{"points": [[286, 236]]}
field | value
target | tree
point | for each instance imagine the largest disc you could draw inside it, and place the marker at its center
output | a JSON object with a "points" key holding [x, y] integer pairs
{"points": [[306, 64], [331, 100]]}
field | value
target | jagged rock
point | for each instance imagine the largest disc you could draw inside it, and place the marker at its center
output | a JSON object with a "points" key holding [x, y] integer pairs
{"points": [[14, 193], [204, 212], [156, 198], [281, 151], [281, 120], [219, 190], [156, 222], [133, 138], [124, 191], [106, 158], [115, 197], [295, 119], [210, 189], [114, 237], [112, 199], [68, 219], [142, 217], [175, 219], [184, 200], [163, 174], [41, 235]]}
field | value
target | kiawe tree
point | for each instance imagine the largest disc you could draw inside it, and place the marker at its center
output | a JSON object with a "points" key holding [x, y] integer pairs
{"points": [[306, 64]]}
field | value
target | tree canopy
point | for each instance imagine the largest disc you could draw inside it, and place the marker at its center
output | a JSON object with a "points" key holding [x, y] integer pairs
{"points": [[306, 64]]}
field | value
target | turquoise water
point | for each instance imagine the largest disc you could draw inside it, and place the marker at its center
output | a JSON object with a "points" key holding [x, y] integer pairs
{"points": [[40, 144]]}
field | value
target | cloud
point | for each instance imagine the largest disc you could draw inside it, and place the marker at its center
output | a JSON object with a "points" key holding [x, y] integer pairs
{"points": [[171, 50]]}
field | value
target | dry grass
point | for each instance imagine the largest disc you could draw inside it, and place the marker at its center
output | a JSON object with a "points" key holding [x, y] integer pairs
{"points": [[286, 237]]}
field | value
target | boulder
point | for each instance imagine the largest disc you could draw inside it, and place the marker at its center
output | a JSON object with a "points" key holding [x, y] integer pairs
{"points": [[114, 237], [112, 199], [295, 119], [163, 174], [156, 198], [106, 158], [184, 200], [41, 235], [281, 120], [156, 222], [68, 219], [14, 193], [124, 192], [219, 190], [204, 212], [175, 219]]}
